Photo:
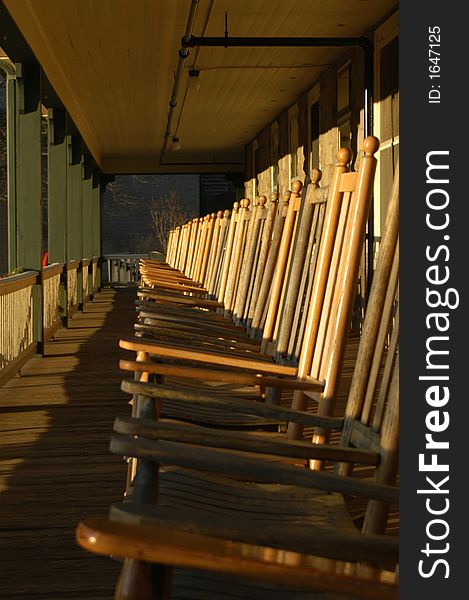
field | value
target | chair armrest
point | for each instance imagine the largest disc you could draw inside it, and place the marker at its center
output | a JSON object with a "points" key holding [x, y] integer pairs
{"points": [[168, 546], [218, 358], [215, 374]]}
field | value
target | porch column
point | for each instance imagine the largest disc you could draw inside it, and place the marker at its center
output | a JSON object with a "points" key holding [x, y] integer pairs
{"points": [[27, 210], [10, 74], [96, 222], [74, 199], [57, 172], [28, 168], [87, 226], [74, 220]]}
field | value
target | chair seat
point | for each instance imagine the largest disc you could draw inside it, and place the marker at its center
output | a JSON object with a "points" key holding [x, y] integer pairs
{"points": [[199, 585], [274, 515]]}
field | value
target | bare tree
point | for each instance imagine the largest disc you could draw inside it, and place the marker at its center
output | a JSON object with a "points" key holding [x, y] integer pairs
{"points": [[168, 211]]}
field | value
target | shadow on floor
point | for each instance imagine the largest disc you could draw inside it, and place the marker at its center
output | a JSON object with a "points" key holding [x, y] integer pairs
{"points": [[55, 467]]}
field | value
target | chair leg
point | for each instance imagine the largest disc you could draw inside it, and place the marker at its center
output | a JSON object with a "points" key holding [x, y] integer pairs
{"points": [[143, 581], [134, 581]]}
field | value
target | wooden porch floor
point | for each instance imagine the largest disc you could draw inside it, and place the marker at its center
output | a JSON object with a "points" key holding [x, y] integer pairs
{"points": [[55, 466]]}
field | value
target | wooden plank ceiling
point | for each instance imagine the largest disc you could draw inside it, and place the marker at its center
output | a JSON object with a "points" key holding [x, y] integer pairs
{"points": [[112, 63]]}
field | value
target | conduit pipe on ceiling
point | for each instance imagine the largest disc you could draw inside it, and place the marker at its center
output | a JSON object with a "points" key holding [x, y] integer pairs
{"points": [[361, 42], [252, 42], [183, 54], [307, 42]]}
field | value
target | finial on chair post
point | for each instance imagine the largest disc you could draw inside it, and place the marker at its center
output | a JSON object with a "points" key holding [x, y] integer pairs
{"points": [[316, 176], [370, 145], [297, 186], [344, 156]]}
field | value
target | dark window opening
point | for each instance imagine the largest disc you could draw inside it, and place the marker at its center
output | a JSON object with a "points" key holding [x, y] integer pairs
{"points": [[314, 120], [3, 178]]}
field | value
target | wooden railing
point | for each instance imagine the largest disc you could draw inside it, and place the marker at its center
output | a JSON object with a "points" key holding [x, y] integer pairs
{"points": [[17, 343], [34, 305], [95, 282], [85, 291], [51, 299], [123, 268], [72, 286]]}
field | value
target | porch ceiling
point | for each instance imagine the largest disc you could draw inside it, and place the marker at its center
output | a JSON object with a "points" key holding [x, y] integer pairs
{"points": [[112, 64]]}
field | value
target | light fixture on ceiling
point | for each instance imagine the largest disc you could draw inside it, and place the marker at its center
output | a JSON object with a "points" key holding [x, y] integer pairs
{"points": [[176, 146], [193, 83]]}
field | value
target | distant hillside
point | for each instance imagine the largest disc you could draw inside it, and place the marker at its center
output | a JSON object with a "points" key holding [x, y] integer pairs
{"points": [[126, 223]]}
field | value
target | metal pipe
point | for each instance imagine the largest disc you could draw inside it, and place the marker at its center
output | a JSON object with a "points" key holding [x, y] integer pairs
{"points": [[227, 41], [361, 42], [183, 54], [308, 42], [194, 64]]}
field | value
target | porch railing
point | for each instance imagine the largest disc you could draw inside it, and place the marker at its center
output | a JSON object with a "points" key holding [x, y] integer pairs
{"points": [[122, 268], [85, 287], [72, 286], [34, 305], [52, 301], [17, 343], [95, 279]]}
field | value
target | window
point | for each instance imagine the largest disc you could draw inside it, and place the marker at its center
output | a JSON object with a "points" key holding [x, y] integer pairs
{"points": [[313, 129], [3, 177], [344, 107], [255, 167], [293, 141], [345, 134], [386, 114], [343, 89], [274, 156], [44, 180]]}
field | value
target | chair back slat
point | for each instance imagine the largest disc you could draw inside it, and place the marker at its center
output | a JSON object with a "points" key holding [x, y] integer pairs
{"points": [[261, 303], [207, 248], [335, 282], [215, 273], [213, 248], [283, 257], [194, 225], [253, 240], [267, 236], [376, 303], [237, 254], [291, 294], [200, 247], [386, 325], [306, 286], [379, 411]]}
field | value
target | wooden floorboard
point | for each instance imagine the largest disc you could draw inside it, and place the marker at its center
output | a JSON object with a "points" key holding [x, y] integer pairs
{"points": [[55, 466]]}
